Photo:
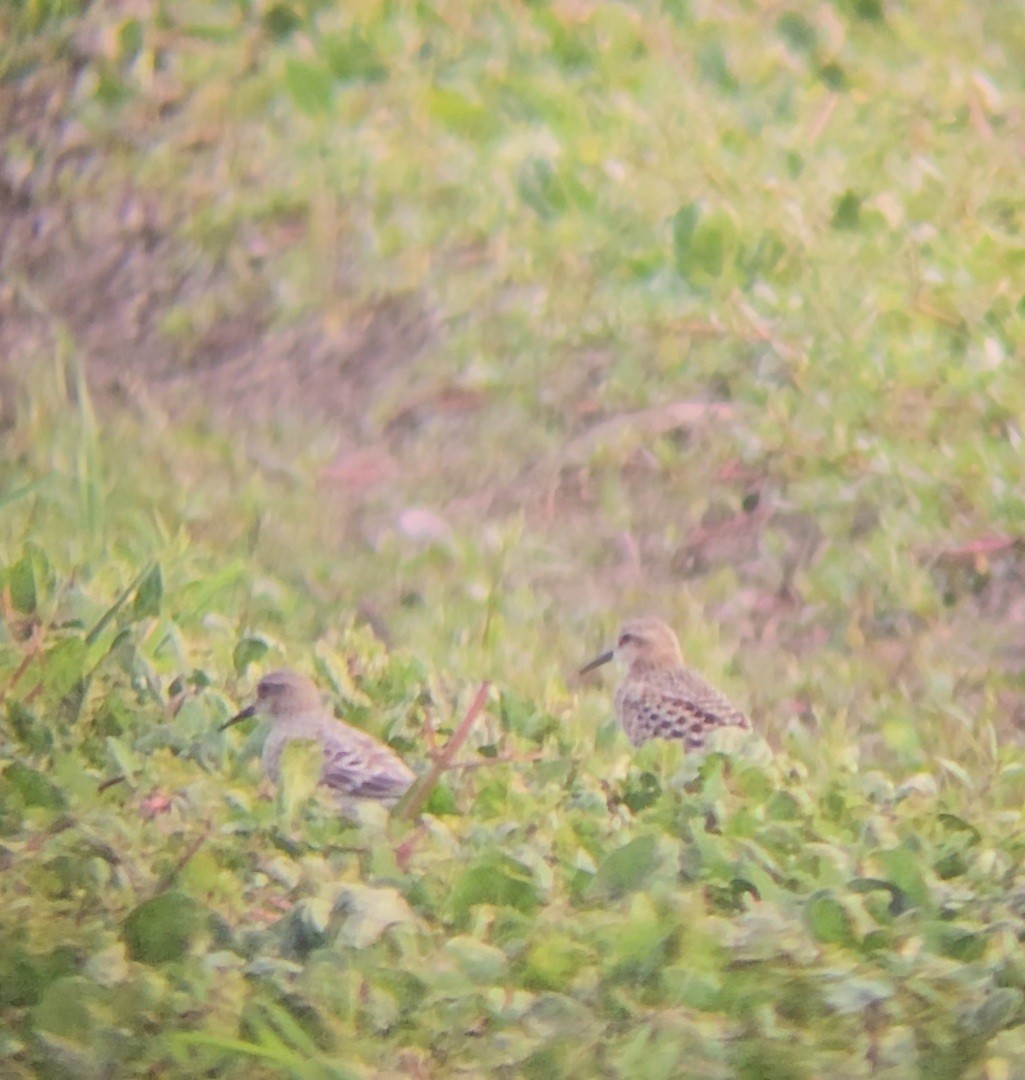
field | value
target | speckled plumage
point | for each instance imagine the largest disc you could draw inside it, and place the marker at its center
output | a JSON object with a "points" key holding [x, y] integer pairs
{"points": [[356, 765], [659, 698]]}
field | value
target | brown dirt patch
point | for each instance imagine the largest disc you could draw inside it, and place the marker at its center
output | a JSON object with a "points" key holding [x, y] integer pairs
{"points": [[101, 264]]}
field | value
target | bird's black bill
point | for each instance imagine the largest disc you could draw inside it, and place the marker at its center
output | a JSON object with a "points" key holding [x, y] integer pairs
{"points": [[245, 714], [597, 662]]}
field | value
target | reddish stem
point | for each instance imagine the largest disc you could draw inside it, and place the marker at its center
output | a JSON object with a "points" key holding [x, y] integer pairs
{"points": [[411, 806]]}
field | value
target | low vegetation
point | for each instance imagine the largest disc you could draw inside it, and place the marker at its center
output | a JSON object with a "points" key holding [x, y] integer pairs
{"points": [[414, 345]]}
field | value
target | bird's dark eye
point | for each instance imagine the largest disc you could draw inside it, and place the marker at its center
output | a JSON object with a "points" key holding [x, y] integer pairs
{"points": [[627, 639]]}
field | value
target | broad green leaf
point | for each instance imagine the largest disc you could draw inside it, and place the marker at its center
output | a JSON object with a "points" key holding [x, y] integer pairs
{"points": [[124, 757], [65, 665], [33, 787], [495, 879], [441, 801], [280, 20], [25, 975], [28, 728], [714, 66], [1002, 1007], [636, 946], [64, 1007], [149, 594], [953, 822], [352, 58], [459, 113], [160, 930], [552, 961], [704, 243], [482, 964], [847, 213], [310, 86], [829, 920], [21, 581], [249, 650], [903, 867], [627, 867], [799, 34]]}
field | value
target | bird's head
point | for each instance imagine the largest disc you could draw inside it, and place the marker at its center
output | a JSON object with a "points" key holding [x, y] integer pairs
{"points": [[281, 695], [642, 642]]}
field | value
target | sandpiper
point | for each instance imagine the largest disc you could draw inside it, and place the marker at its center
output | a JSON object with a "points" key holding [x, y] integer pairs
{"points": [[356, 765], [659, 698]]}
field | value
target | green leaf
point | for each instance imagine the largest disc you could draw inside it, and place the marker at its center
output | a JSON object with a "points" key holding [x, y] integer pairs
{"points": [[959, 824], [352, 58], [1001, 1008], [21, 581], [902, 866], [866, 10], [847, 212], [124, 758], [628, 867], [704, 243], [28, 729], [783, 806], [797, 32], [280, 20], [161, 929], [459, 113], [65, 665], [552, 962], [64, 1007], [441, 801], [310, 86], [33, 787], [494, 879], [130, 39], [482, 964], [714, 66], [149, 594], [637, 944], [250, 650], [24, 976], [828, 920]]}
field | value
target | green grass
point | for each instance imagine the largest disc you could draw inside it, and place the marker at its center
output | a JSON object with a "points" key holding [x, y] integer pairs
{"points": [[809, 216]]}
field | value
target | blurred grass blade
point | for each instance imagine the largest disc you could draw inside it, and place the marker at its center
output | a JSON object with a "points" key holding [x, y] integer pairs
{"points": [[111, 612]]}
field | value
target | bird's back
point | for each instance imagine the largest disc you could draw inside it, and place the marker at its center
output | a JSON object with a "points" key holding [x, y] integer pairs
{"points": [[674, 703], [357, 764], [354, 762]]}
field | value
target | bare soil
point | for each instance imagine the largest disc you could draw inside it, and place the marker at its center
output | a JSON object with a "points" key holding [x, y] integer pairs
{"points": [[104, 265]]}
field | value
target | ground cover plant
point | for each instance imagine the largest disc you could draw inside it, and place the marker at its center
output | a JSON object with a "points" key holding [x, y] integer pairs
{"points": [[413, 346]]}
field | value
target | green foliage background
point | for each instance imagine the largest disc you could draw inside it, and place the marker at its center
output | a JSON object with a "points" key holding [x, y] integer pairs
{"points": [[808, 214]]}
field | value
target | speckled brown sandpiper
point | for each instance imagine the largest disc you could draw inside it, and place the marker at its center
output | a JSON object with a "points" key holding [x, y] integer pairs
{"points": [[659, 698], [356, 765]]}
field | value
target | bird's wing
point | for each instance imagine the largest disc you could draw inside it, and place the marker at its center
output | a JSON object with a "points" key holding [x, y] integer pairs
{"points": [[678, 706], [357, 764]]}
